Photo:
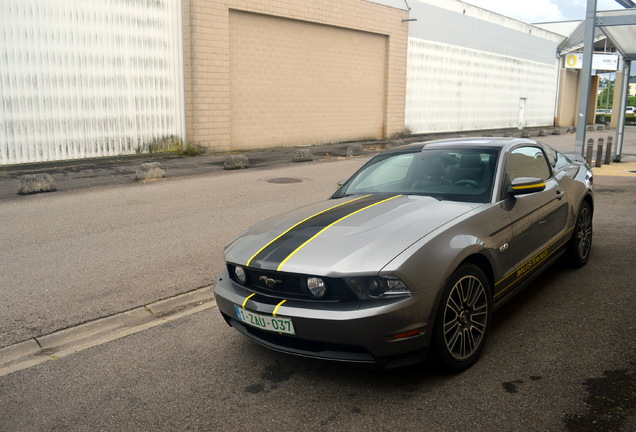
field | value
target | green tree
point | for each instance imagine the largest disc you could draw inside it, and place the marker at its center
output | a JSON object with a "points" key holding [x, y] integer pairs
{"points": [[601, 102]]}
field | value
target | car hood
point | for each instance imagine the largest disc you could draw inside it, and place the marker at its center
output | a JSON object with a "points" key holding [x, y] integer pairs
{"points": [[354, 235]]}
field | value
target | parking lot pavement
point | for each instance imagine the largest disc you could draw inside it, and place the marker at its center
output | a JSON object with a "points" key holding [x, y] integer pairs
{"points": [[565, 348]]}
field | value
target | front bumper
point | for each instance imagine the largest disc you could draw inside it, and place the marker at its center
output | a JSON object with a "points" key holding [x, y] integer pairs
{"points": [[357, 332]]}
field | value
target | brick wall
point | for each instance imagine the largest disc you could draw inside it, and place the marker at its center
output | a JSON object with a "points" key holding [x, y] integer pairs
{"points": [[207, 62]]}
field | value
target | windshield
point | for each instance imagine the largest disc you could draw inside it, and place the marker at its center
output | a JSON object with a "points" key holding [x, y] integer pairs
{"points": [[455, 175]]}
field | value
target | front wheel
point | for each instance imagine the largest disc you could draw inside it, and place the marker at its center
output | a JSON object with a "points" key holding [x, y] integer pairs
{"points": [[463, 319], [581, 243]]}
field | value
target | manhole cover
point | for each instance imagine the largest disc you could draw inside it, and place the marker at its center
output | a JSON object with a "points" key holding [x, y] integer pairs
{"points": [[284, 180]]}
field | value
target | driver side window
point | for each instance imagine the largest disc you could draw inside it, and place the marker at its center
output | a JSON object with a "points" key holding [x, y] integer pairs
{"points": [[527, 162]]}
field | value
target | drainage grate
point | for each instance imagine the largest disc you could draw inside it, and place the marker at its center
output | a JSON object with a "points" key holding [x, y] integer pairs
{"points": [[284, 180]]}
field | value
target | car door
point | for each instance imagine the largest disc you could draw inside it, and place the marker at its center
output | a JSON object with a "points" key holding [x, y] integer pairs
{"points": [[538, 219]]}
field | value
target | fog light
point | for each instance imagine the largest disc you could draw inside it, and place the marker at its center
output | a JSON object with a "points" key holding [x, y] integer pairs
{"points": [[240, 275], [316, 286], [377, 287]]}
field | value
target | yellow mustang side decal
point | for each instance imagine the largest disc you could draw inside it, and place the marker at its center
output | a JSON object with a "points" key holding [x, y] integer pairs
{"points": [[528, 268]]}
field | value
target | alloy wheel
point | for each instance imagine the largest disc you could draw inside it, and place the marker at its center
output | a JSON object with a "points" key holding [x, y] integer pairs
{"points": [[465, 317], [584, 233]]}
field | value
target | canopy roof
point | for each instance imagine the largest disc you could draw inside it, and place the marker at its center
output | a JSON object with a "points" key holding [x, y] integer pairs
{"points": [[620, 28]]}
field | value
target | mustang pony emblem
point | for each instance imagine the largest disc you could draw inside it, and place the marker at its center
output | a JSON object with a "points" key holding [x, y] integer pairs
{"points": [[271, 283]]}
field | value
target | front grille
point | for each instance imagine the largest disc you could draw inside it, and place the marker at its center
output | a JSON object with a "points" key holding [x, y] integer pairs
{"points": [[291, 285], [283, 283]]}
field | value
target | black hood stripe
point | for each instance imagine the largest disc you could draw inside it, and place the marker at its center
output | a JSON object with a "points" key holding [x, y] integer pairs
{"points": [[272, 255]]}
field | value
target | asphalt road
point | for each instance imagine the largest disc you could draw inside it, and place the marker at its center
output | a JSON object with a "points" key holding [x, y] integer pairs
{"points": [[562, 355]]}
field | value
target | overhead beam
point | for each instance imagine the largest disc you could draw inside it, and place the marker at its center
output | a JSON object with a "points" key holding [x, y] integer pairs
{"points": [[617, 18], [626, 3], [620, 130]]}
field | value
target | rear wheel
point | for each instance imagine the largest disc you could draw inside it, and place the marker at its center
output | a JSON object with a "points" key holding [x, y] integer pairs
{"points": [[463, 319], [581, 243]]}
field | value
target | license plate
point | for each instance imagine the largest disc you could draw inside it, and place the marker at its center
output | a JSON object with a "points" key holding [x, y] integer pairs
{"points": [[265, 322]]}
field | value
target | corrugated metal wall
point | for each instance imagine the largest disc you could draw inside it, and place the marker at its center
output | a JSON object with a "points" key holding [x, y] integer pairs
{"points": [[471, 69], [83, 79], [451, 88]]}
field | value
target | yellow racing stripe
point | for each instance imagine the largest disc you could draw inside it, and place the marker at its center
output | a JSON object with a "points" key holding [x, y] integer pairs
{"points": [[277, 306], [304, 220], [330, 225], [246, 299]]}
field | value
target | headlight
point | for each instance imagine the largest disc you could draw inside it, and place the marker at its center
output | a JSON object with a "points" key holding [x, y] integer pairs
{"points": [[239, 274], [375, 287], [317, 287]]}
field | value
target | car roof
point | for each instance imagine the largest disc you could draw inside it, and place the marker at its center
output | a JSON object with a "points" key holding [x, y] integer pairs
{"points": [[478, 142]]}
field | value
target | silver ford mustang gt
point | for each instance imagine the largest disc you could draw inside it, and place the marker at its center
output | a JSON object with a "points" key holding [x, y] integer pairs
{"points": [[411, 255]]}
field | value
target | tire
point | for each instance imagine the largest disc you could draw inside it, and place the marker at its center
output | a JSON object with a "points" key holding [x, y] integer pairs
{"points": [[580, 245], [463, 319]]}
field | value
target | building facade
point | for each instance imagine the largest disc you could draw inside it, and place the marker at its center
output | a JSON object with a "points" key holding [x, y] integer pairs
{"points": [[471, 69], [89, 79], [270, 73], [116, 77], [94, 79]]}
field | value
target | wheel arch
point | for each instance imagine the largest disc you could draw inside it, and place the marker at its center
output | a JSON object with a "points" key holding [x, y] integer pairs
{"points": [[484, 264]]}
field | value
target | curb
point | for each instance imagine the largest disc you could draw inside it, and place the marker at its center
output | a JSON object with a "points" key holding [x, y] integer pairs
{"points": [[62, 343]]}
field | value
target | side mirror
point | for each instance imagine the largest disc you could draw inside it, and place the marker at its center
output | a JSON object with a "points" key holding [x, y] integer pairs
{"points": [[526, 185]]}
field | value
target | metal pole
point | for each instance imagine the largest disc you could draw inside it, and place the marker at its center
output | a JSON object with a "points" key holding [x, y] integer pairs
{"points": [[586, 72], [620, 128], [608, 90]]}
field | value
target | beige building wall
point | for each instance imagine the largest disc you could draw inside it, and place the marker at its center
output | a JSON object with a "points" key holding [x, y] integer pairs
{"points": [[265, 73], [568, 104], [618, 84], [569, 91], [592, 99]]}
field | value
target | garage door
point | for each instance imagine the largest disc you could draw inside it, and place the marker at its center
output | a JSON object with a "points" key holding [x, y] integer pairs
{"points": [[298, 83]]}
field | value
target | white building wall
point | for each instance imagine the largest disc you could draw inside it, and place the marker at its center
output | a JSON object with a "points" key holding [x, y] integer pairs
{"points": [[450, 88], [85, 79], [469, 68]]}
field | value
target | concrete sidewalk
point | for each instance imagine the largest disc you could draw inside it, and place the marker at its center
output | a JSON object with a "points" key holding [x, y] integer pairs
{"points": [[87, 173]]}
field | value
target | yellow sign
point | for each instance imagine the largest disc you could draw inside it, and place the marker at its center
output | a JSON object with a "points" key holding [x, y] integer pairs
{"points": [[572, 60], [600, 62]]}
